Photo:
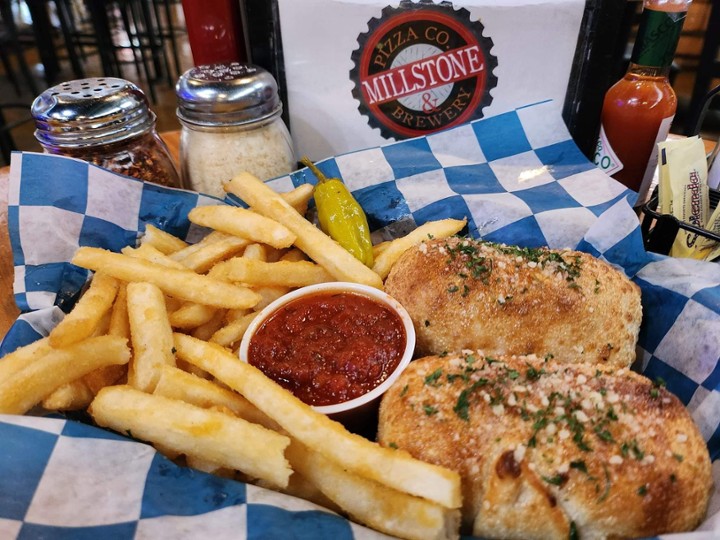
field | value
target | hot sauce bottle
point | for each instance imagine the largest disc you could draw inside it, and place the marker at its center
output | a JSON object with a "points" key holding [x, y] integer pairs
{"points": [[639, 108]]}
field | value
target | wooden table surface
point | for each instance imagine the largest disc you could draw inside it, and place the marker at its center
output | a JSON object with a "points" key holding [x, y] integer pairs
{"points": [[8, 309]]}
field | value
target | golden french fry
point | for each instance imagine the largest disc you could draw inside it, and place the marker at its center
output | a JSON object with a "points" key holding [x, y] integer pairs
{"points": [[82, 321], [368, 502], [319, 246], [210, 435], [119, 324], [202, 259], [173, 304], [175, 383], [22, 357], [71, 396], [184, 284], [214, 236], [103, 326], [28, 387], [202, 465], [150, 333], [235, 314], [281, 273], [100, 378], [152, 254], [257, 252], [167, 452], [189, 368], [379, 248], [299, 198], [233, 332], [393, 468], [302, 488], [294, 255], [432, 229], [161, 240], [269, 295], [243, 223], [191, 315], [206, 331]]}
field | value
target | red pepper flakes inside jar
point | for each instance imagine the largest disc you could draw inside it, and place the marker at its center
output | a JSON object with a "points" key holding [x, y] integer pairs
{"points": [[105, 121]]}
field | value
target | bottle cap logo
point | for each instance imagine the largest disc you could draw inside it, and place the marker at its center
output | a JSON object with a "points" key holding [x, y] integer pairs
{"points": [[422, 67]]}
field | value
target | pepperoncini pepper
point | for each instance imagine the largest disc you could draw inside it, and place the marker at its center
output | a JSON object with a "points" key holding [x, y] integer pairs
{"points": [[341, 216]]}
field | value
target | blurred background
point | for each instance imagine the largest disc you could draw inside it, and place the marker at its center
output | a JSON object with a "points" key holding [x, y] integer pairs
{"points": [[45, 42]]}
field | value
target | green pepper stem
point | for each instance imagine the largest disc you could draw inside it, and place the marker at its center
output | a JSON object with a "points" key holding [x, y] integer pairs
{"points": [[317, 172]]}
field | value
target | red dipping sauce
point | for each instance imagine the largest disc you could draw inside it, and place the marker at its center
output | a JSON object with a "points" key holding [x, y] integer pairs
{"points": [[329, 347]]}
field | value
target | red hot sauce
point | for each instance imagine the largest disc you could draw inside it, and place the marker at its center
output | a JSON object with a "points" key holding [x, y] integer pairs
{"points": [[330, 347]]}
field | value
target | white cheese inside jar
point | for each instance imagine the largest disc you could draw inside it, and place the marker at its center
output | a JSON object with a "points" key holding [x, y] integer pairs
{"points": [[231, 122]]}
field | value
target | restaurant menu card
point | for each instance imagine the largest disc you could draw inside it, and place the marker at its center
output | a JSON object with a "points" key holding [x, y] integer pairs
{"points": [[362, 73], [517, 177]]}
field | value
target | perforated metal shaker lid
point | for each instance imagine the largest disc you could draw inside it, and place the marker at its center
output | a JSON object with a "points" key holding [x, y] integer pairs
{"points": [[226, 94], [91, 111]]}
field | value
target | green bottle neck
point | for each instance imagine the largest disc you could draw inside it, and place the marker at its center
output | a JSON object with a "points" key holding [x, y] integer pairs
{"points": [[657, 38]]}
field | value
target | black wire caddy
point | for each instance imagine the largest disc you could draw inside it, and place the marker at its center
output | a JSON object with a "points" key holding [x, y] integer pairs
{"points": [[660, 230]]}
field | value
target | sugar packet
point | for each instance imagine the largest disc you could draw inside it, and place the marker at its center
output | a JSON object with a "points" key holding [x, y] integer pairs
{"points": [[683, 192]]}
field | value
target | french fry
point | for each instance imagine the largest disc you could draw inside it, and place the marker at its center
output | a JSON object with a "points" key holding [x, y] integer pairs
{"points": [[71, 396], [373, 504], [210, 435], [319, 246], [203, 465], [235, 314], [299, 198], [150, 333], [379, 248], [100, 378], [201, 260], [161, 240], [233, 332], [301, 487], [432, 229], [268, 295], [281, 273], [152, 254], [256, 252], [191, 315], [175, 383], [22, 357], [103, 325], [82, 321], [184, 284], [28, 387], [243, 223], [119, 323], [206, 331], [173, 304], [392, 468], [294, 255], [167, 452], [214, 236]]}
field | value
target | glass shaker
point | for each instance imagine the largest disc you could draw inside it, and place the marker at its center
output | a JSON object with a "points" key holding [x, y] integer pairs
{"points": [[230, 116], [107, 122]]}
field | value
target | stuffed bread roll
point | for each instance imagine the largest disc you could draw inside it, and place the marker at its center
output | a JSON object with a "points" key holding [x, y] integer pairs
{"points": [[467, 294]]}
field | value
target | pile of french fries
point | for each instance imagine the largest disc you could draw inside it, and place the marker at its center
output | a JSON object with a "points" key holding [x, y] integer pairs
{"points": [[150, 350]]}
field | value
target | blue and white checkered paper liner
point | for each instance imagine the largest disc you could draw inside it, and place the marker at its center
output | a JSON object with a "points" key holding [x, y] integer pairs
{"points": [[519, 179]]}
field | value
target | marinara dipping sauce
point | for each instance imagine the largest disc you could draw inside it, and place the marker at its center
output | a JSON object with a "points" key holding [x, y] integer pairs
{"points": [[329, 347]]}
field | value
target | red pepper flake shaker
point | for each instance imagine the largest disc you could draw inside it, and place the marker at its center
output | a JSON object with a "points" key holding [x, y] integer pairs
{"points": [[107, 122]]}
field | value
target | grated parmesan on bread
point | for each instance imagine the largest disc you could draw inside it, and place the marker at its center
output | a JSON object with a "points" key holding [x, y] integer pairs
{"points": [[467, 294], [551, 450]]}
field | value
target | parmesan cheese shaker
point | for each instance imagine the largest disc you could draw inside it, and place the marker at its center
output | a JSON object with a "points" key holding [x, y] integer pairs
{"points": [[230, 116], [105, 121]]}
